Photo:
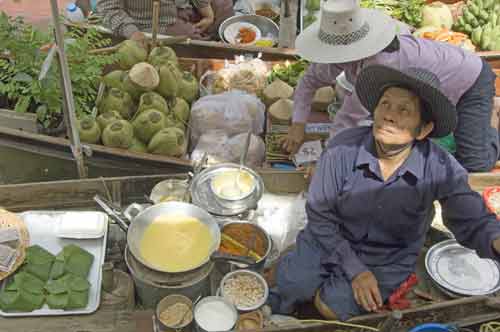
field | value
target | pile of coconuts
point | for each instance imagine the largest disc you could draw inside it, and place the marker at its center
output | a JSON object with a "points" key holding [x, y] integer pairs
{"points": [[146, 105]]}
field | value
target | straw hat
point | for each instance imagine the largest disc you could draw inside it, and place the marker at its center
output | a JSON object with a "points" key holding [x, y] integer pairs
{"points": [[345, 32], [374, 80]]}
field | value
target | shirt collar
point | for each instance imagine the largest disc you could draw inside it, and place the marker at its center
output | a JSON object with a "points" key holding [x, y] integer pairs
{"points": [[414, 164]]}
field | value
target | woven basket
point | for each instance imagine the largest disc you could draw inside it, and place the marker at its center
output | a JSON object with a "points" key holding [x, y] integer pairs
{"points": [[8, 219]]}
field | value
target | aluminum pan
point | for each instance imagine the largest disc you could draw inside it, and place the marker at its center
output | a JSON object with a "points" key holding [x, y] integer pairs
{"points": [[43, 227], [460, 270]]}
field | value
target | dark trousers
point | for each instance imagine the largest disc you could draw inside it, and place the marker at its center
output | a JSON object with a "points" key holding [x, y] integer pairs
{"points": [[477, 142]]}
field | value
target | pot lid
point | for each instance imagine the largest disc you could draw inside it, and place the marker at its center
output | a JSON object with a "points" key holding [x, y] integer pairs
{"points": [[460, 270], [203, 195]]}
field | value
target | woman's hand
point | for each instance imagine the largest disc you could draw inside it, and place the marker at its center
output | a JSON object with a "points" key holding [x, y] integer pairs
{"points": [[366, 291], [207, 19], [296, 135]]}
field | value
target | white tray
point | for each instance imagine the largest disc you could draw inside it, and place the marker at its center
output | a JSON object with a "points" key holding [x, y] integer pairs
{"points": [[42, 227]]}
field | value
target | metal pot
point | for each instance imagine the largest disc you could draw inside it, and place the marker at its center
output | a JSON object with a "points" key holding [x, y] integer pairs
{"points": [[140, 217], [260, 264]]}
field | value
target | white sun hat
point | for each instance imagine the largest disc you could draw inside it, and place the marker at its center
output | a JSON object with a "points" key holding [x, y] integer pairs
{"points": [[345, 32]]}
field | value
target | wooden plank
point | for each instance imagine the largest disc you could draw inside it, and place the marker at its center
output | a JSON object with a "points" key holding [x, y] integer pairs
{"points": [[479, 181], [77, 193], [21, 121], [100, 321]]}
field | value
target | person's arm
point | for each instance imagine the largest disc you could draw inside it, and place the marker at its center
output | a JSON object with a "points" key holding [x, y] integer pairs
{"points": [[323, 223], [466, 215], [116, 18], [316, 76], [206, 13], [324, 226]]}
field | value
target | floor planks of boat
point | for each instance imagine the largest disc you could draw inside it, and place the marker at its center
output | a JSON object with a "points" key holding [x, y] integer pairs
{"points": [[432, 305]]}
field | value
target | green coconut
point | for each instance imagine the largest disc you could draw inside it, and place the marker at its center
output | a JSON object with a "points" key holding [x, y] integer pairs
{"points": [[129, 53], [188, 87], [118, 134], [141, 78], [138, 146], [114, 79], [152, 100], [105, 119], [167, 142], [180, 125], [170, 77], [180, 110], [162, 54], [89, 130], [117, 100], [147, 123]]}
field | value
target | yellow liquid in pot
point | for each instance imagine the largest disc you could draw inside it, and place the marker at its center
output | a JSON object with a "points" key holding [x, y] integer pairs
{"points": [[176, 243]]}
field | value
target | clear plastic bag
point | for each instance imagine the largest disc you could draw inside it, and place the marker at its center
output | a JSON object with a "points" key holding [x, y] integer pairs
{"points": [[215, 145], [222, 149], [283, 217], [233, 112], [245, 75], [256, 150]]}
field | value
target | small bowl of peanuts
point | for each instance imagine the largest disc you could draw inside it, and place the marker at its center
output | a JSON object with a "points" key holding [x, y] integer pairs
{"points": [[246, 289]]}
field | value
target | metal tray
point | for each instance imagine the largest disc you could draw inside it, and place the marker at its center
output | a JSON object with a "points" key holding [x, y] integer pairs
{"points": [[42, 227], [460, 270]]}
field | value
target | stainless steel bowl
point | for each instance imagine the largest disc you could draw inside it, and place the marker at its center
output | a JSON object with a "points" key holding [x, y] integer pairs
{"points": [[260, 280], [267, 27]]}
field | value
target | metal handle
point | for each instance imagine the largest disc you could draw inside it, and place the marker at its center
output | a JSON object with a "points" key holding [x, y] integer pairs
{"points": [[115, 216], [133, 210], [243, 157], [218, 256]]}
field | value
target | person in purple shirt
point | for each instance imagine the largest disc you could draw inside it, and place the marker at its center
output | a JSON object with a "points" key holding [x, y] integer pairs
{"points": [[371, 198], [349, 38]]}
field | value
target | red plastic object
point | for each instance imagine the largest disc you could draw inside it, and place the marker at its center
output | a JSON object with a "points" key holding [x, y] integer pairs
{"points": [[486, 196]]}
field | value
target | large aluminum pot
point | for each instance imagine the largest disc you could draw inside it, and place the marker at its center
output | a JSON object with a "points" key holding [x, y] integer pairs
{"points": [[141, 218]]}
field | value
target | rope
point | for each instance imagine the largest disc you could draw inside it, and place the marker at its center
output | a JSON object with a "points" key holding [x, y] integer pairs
{"points": [[335, 322], [490, 327]]}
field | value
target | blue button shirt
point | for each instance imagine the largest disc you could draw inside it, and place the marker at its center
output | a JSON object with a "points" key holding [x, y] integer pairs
{"points": [[359, 221]]}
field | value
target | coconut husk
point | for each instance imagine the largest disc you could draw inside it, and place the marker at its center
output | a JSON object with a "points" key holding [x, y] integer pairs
{"points": [[281, 111], [275, 91], [323, 98], [144, 77]]}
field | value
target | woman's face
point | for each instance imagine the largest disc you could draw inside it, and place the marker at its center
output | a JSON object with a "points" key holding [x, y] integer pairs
{"points": [[397, 119]]}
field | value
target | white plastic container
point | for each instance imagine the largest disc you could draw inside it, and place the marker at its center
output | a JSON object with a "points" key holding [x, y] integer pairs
{"points": [[74, 13]]}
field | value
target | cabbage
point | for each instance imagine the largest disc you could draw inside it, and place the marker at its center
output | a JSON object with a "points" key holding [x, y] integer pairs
{"points": [[437, 14]]}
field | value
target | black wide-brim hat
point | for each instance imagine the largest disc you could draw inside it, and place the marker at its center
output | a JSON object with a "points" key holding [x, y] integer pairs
{"points": [[374, 80]]}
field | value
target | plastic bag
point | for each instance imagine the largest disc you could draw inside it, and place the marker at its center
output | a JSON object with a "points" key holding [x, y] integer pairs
{"points": [[256, 150], [222, 149], [283, 217], [245, 75], [215, 144], [233, 112]]}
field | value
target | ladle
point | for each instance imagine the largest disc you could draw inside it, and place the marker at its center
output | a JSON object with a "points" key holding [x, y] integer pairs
{"points": [[243, 160]]}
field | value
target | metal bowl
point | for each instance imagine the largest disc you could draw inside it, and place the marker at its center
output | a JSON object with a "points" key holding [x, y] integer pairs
{"points": [[267, 27], [259, 278], [229, 178]]}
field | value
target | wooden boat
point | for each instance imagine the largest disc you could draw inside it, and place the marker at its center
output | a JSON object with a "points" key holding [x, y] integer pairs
{"points": [[78, 194], [31, 149]]}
